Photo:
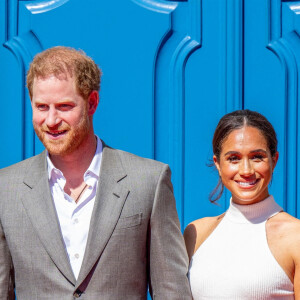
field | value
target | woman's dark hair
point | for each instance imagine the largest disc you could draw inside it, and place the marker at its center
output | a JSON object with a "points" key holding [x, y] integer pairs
{"points": [[236, 120]]}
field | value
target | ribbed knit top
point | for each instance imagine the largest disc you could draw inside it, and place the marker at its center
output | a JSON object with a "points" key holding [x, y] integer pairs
{"points": [[235, 261]]}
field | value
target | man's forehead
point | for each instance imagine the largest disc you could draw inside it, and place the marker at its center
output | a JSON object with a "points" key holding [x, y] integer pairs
{"points": [[60, 76], [39, 81], [53, 84]]}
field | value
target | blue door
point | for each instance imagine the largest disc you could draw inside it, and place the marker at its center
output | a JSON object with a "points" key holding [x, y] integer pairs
{"points": [[171, 69]]}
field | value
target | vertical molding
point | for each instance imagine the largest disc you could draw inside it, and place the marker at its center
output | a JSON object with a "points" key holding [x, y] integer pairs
{"points": [[282, 50], [282, 43], [274, 32], [164, 7], [169, 85], [234, 55], [21, 48], [12, 7]]}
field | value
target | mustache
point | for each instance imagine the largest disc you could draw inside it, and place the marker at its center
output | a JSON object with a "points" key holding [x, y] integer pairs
{"points": [[45, 128]]}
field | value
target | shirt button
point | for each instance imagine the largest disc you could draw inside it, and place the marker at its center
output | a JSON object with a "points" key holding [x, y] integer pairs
{"points": [[76, 255], [76, 221]]}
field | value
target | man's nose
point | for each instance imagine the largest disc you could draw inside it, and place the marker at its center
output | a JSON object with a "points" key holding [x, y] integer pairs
{"points": [[246, 167], [53, 118]]}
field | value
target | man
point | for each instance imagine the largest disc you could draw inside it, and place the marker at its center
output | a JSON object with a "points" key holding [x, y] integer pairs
{"points": [[82, 220]]}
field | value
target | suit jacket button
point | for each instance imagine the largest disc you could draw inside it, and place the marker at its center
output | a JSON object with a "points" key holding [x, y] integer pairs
{"points": [[77, 294]]}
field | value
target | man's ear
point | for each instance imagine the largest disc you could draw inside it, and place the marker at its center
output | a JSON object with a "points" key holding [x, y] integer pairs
{"points": [[216, 162], [93, 101]]}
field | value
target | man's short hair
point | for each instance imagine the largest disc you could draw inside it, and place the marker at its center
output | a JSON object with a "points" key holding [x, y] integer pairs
{"points": [[65, 61]]}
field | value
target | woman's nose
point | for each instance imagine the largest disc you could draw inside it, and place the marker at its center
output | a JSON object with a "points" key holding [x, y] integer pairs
{"points": [[246, 167]]}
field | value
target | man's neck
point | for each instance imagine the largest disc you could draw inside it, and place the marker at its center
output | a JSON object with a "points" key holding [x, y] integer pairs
{"points": [[74, 165]]}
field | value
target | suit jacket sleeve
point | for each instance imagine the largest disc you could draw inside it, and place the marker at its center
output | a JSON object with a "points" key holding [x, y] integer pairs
{"points": [[168, 258], [6, 270]]}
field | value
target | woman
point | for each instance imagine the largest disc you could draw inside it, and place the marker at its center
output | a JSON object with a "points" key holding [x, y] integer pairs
{"points": [[252, 251]]}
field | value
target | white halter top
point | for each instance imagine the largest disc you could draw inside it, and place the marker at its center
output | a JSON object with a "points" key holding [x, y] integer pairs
{"points": [[235, 261]]}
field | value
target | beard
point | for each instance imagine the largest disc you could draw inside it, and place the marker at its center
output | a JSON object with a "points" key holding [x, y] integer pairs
{"points": [[71, 141]]}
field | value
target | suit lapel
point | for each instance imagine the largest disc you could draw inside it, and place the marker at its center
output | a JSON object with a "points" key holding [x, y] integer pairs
{"points": [[40, 209], [109, 202]]}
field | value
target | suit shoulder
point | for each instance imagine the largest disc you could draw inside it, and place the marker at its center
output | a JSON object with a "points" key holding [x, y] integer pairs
{"points": [[142, 172], [132, 161], [20, 167]]}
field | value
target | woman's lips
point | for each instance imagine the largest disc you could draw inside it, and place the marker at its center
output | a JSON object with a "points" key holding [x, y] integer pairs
{"points": [[247, 184]]}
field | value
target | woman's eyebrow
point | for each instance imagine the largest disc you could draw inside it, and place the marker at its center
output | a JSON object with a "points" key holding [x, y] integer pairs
{"points": [[252, 151], [231, 152], [259, 150]]}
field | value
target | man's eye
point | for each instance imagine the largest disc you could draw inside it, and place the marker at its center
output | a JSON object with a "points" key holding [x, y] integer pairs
{"points": [[42, 107], [65, 106]]}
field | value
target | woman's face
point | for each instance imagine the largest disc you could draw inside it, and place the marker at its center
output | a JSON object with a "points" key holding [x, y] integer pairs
{"points": [[246, 165]]}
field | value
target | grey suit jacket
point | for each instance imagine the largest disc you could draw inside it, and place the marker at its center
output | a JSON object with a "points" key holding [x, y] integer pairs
{"points": [[134, 236]]}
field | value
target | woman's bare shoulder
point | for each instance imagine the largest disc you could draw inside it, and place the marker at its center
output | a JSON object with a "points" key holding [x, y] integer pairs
{"points": [[198, 231], [284, 221], [204, 224], [286, 229]]}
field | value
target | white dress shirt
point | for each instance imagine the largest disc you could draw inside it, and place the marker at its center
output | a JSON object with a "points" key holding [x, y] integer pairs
{"points": [[74, 218]]}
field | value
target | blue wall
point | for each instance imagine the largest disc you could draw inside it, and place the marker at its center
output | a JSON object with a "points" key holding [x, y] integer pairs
{"points": [[170, 71]]}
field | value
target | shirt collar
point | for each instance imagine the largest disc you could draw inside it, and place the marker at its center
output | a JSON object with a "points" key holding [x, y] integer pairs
{"points": [[93, 170]]}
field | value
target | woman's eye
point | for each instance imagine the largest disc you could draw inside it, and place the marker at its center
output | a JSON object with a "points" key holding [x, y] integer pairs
{"points": [[258, 157], [233, 158]]}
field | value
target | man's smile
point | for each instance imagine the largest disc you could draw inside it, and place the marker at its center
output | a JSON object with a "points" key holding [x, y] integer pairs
{"points": [[56, 134]]}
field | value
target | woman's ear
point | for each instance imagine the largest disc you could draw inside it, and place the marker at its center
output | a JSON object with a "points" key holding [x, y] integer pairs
{"points": [[216, 162], [275, 159]]}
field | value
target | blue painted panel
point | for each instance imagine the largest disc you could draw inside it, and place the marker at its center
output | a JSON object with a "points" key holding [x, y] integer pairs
{"points": [[11, 111], [175, 51], [291, 44], [213, 87]]}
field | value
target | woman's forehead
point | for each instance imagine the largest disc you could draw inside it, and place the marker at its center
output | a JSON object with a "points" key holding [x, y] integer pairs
{"points": [[245, 137]]}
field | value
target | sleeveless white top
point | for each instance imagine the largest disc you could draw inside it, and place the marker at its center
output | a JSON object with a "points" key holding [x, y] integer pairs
{"points": [[235, 261]]}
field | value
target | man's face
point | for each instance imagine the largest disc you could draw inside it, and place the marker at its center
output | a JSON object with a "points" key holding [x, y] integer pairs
{"points": [[60, 115]]}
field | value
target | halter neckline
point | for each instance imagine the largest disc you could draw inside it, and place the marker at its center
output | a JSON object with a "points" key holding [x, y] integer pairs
{"points": [[254, 213]]}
